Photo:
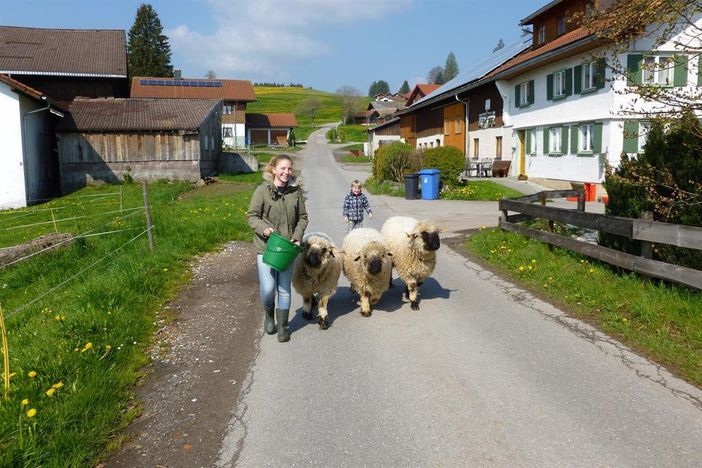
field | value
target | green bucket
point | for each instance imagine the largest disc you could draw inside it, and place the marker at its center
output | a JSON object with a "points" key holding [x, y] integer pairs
{"points": [[280, 252]]}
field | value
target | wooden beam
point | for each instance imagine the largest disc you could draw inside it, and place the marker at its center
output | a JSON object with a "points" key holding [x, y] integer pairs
{"points": [[666, 233]]}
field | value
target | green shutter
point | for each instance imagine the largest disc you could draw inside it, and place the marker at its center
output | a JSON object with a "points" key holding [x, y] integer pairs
{"points": [[549, 87], [633, 68], [517, 99], [631, 137], [574, 139], [578, 79], [564, 140], [569, 82], [600, 70], [680, 71], [527, 141], [531, 91], [546, 130], [597, 138]]}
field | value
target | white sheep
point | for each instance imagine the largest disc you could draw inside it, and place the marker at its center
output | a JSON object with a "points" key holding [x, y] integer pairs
{"points": [[413, 245], [316, 274], [368, 265]]}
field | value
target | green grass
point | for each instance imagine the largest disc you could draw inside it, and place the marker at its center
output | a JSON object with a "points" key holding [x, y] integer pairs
{"points": [[658, 320], [355, 159], [352, 133], [355, 146], [89, 336], [303, 133], [479, 190], [287, 99], [384, 187]]}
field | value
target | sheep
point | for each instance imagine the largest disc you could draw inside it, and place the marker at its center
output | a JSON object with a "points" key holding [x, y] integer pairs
{"points": [[413, 245], [316, 274], [367, 264]]}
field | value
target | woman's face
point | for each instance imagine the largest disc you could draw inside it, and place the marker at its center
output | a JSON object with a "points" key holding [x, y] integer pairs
{"points": [[282, 172]]}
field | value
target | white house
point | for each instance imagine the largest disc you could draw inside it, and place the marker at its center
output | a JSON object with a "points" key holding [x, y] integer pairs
{"points": [[29, 164]]}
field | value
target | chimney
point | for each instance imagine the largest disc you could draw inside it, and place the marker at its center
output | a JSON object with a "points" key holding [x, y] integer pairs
{"points": [[177, 74]]}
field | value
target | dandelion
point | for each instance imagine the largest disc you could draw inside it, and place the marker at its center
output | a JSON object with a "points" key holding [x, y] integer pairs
{"points": [[50, 392], [591, 270], [165, 269], [32, 374], [57, 385], [521, 267], [31, 413], [25, 402], [87, 346], [533, 260]]}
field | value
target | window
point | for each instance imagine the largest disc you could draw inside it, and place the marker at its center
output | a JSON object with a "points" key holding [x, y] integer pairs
{"points": [[438, 142], [541, 34], [487, 104], [554, 140], [559, 84], [447, 126], [658, 69], [204, 143], [644, 128], [589, 74], [586, 138], [498, 147], [561, 25], [227, 132], [227, 109], [476, 148], [531, 147], [524, 94], [459, 123]]}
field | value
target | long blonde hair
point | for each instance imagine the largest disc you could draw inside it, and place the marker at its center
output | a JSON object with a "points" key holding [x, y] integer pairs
{"points": [[270, 167]]}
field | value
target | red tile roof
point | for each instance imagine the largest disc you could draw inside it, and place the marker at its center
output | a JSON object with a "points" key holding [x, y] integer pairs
{"points": [[230, 90], [122, 115], [286, 120], [420, 90], [68, 52]]}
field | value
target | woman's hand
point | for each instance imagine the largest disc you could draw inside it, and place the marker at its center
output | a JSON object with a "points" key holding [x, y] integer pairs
{"points": [[267, 232]]}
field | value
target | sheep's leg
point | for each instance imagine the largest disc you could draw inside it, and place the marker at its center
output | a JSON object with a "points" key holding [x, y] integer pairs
{"points": [[322, 314], [413, 291], [307, 307], [365, 305]]}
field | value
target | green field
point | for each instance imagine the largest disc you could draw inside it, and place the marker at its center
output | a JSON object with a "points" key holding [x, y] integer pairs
{"points": [[287, 99]]}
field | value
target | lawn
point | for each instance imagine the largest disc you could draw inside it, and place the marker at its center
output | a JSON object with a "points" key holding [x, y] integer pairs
{"points": [[659, 320], [480, 190], [80, 318], [288, 99], [352, 133]]}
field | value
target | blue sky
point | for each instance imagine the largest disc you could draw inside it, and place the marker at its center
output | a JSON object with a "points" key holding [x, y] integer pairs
{"points": [[325, 44]]}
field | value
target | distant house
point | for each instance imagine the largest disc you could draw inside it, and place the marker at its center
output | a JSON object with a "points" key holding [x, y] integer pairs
{"points": [[235, 94], [66, 63], [102, 139], [390, 97], [269, 129], [420, 90], [362, 118], [383, 134], [28, 164], [380, 111]]}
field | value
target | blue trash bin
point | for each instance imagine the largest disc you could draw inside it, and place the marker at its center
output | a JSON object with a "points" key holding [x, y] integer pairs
{"points": [[430, 183]]}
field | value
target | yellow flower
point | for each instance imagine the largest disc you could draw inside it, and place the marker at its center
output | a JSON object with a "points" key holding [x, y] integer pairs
{"points": [[87, 346], [57, 318], [591, 270], [50, 392], [57, 385], [521, 267], [25, 402], [533, 260], [165, 269], [31, 413], [32, 374]]}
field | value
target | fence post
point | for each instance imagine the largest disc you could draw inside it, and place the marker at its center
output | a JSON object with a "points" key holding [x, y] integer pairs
{"points": [[581, 199], [542, 199], [147, 210], [5, 356], [647, 247]]}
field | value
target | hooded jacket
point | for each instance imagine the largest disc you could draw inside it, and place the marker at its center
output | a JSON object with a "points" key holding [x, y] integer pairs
{"points": [[283, 211]]}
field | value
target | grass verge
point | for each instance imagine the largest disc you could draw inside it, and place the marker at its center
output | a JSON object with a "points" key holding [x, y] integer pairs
{"points": [[479, 190], [384, 187], [76, 351], [355, 159], [658, 320]]}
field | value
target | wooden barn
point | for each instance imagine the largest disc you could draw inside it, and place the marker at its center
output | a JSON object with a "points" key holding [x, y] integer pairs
{"points": [[104, 139], [269, 129]]}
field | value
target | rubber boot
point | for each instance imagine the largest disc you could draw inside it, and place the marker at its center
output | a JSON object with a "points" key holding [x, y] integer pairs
{"points": [[269, 320], [283, 332]]}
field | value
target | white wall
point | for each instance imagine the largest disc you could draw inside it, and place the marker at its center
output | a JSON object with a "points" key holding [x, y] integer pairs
{"points": [[12, 185], [430, 141], [238, 131], [487, 145], [375, 142]]}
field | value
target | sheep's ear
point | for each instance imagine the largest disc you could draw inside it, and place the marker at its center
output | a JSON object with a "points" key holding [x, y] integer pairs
{"points": [[357, 258], [332, 251], [411, 235]]}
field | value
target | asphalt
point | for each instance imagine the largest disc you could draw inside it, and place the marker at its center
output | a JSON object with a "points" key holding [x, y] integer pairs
{"points": [[485, 374]]}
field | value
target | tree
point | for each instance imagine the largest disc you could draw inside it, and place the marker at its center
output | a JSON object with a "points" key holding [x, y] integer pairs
{"points": [[350, 100], [404, 89], [450, 68], [436, 75], [210, 75], [378, 87], [309, 108], [500, 45], [148, 51]]}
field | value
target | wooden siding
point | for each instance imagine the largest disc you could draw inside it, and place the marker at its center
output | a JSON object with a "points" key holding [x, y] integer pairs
{"points": [[127, 147], [260, 137], [407, 129], [211, 129], [476, 107], [390, 130], [429, 122], [453, 136], [550, 20], [64, 88]]}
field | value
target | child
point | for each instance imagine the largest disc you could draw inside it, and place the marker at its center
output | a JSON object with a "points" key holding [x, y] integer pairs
{"points": [[354, 204]]}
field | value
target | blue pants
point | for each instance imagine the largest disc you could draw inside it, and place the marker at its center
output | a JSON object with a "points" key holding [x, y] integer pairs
{"points": [[271, 280]]}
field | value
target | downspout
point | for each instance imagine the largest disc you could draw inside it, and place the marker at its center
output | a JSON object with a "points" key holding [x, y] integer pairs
{"points": [[465, 125]]}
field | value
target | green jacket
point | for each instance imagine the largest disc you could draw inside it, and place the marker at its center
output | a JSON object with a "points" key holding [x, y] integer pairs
{"points": [[286, 213]]}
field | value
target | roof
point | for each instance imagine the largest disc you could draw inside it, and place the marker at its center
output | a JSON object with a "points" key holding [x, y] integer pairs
{"points": [[192, 88], [271, 120], [538, 12], [420, 90], [29, 91], [63, 52], [122, 115], [480, 69], [384, 105], [387, 123]]}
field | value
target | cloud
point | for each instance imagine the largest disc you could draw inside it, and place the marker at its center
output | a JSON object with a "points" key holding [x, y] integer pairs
{"points": [[263, 37]]}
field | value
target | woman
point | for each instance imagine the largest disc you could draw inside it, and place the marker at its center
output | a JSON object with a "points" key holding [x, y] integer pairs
{"points": [[277, 206]]}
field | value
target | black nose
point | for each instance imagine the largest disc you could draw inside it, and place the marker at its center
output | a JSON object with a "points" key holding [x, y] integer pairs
{"points": [[374, 266], [432, 241], [313, 259]]}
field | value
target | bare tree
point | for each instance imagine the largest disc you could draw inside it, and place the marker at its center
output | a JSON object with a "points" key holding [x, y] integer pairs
{"points": [[436, 75], [309, 108], [351, 102], [210, 75]]}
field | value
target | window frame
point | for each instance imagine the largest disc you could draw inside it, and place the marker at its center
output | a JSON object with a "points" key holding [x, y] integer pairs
{"points": [[589, 70], [476, 148], [561, 26], [532, 142], [656, 70], [458, 123], [555, 134], [498, 147], [227, 132], [541, 34], [562, 75], [523, 94], [644, 130], [586, 139]]}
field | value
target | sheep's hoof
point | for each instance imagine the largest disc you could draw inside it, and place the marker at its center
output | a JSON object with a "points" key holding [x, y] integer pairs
{"points": [[366, 314], [307, 315], [323, 323], [414, 305]]}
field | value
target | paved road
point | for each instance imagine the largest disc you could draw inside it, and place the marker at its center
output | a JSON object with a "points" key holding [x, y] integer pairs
{"points": [[484, 374]]}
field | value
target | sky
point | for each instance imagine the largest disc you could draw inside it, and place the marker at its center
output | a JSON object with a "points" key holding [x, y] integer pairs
{"points": [[323, 44]]}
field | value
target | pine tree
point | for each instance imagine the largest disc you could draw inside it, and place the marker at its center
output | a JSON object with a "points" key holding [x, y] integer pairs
{"points": [[451, 68], [378, 87], [148, 51], [404, 89]]}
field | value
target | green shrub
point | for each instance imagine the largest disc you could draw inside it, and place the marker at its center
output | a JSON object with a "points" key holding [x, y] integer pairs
{"points": [[393, 161], [449, 160]]}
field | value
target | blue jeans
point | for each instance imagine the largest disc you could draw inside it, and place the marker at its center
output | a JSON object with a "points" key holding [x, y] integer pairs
{"points": [[270, 280]]}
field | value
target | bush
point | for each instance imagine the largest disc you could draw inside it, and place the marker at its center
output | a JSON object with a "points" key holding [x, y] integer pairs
{"points": [[449, 160], [393, 161]]}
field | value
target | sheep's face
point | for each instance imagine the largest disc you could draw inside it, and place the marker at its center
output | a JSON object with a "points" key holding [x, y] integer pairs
{"points": [[426, 239], [372, 258], [317, 253]]}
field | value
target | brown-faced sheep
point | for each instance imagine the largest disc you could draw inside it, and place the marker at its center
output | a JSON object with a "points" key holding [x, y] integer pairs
{"points": [[316, 275], [367, 264], [413, 245]]}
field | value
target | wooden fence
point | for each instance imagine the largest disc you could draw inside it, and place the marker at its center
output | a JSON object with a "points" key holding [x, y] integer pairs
{"points": [[644, 230]]}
